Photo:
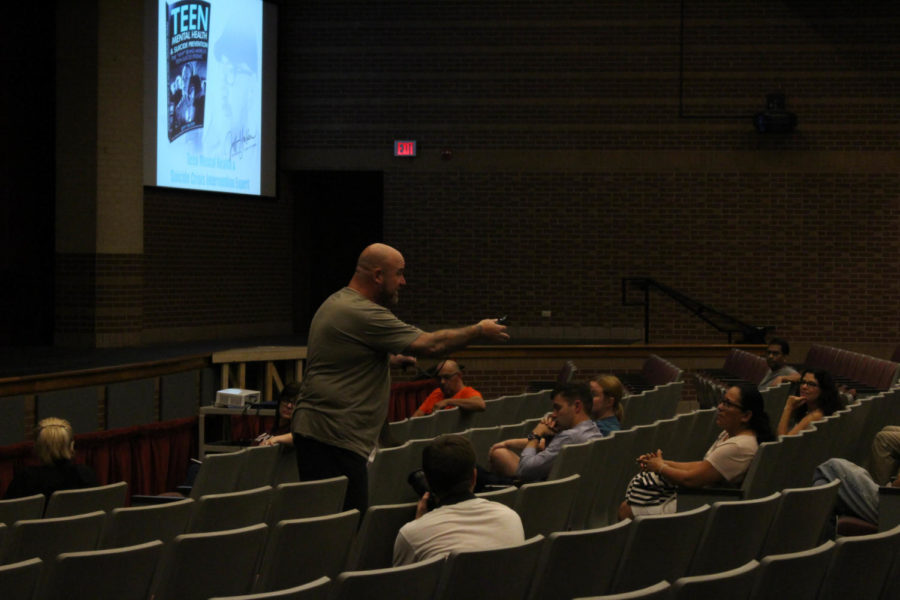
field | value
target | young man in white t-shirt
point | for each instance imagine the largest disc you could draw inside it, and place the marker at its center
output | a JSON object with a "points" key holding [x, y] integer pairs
{"points": [[461, 521]]}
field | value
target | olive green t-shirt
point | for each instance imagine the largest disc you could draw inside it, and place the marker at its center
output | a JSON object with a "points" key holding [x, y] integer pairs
{"points": [[347, 384]]}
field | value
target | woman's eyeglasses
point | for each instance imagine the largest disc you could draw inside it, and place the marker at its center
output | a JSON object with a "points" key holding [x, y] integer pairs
{"points": [[727, 402]]}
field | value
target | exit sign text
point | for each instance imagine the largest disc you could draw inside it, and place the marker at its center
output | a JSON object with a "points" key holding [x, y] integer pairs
{"points": [[404, 148]]}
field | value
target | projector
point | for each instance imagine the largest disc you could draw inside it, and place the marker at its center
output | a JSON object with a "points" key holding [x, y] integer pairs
{"points": [[775, 119], [236, 398]]}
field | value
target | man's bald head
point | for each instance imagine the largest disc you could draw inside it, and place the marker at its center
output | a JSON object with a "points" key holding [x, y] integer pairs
{"points": [[377, 256], [450, 377], [379, 274]]}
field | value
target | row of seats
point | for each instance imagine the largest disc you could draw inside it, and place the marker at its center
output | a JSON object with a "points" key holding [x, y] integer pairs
{"points": [[498, 411], [244, 469], [626, 556], [654, 402], [297, 550], [122, 526], [649, 405], [609, 460], [791, 460], [710, 391], [656, 430], [854, 567], [390, 467], [740, 367], [866, 374], [655, 371]]}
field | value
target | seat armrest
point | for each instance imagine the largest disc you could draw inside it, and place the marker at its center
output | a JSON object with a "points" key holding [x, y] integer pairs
{"points": [[690, 498], [888, 507], [143, 500]]}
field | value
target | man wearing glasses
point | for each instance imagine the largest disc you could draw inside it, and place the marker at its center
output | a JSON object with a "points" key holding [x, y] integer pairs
{"points": [[779, 372], [452, 392]]}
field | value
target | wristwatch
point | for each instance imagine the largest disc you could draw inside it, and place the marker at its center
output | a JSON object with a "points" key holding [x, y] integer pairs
{"points": [[531, 437]]}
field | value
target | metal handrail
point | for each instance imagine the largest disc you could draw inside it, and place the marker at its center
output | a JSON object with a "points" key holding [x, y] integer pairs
{"points": [[751, 334]]}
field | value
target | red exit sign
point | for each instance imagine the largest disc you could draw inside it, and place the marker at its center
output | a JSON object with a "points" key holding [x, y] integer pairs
{"points": [[404, 147]]}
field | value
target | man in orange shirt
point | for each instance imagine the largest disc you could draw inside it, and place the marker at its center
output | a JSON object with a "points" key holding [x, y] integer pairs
{"points": [[453, 392]]}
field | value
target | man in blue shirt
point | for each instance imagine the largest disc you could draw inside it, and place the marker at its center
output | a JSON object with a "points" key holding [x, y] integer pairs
{"points": [[531, 458]]}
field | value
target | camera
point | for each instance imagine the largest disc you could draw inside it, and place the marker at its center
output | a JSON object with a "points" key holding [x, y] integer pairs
{"points": [[418, 482]]}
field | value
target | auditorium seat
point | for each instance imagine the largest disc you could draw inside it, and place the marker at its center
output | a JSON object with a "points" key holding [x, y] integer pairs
{"points": [[800, 518], [218, 474], [575, 459], [499, 573], [504, 495], [665, 541], [373, 547], [199, 565], [734, 584], [303, 499], [138, 524], [124, 573], [447, 420], [733, 534], [18, 580], [544, 506], [314, 590], [482, 439], [860, 565], [613, 459], [15, 509], [579, 563], [658, 591], [417, 581], [64, 503], [257, 467], [215, 512], [45, 538], [301, 550], [795, 575], [387, 473]]}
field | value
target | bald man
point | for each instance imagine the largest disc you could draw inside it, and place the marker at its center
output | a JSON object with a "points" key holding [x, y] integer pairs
{"points": [[452, 392], [353, 340]]}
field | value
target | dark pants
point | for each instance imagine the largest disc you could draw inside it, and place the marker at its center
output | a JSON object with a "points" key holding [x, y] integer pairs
{"points": [[316, 460]]}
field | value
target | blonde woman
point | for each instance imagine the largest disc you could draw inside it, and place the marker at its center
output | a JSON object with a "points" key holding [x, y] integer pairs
{"points": [[54, 446], [607, 410]]}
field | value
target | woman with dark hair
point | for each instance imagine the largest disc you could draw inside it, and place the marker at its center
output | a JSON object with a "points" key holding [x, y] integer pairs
{"points": [[745, 425], [818, 398], [281, 429]]}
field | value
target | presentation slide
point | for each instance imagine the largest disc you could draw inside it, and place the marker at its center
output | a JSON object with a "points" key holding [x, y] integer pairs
{"points": [[209, 86]]}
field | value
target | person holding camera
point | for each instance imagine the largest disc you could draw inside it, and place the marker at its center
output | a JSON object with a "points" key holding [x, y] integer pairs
{"points": [[459, 521]]}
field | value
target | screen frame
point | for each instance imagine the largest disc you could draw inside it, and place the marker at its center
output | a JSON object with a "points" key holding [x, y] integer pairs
{"points": [[268, 175]]}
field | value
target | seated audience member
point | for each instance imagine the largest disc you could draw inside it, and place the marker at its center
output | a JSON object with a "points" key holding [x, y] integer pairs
{"points": [[858, 492], [884, 461], [54, 447], [281, 430], [452, 392], [818, 398], [461, 521], [280, 433], [744, 425], [779, 372], [607, 411], [530, 458]]}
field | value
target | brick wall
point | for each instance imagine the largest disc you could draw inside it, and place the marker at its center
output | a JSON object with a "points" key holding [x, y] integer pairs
{"points": [[591, 141], [215, 265]]}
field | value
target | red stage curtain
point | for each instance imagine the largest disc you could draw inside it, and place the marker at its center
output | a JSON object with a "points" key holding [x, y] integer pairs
{"points": [[152, 458], [406, 396]]}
